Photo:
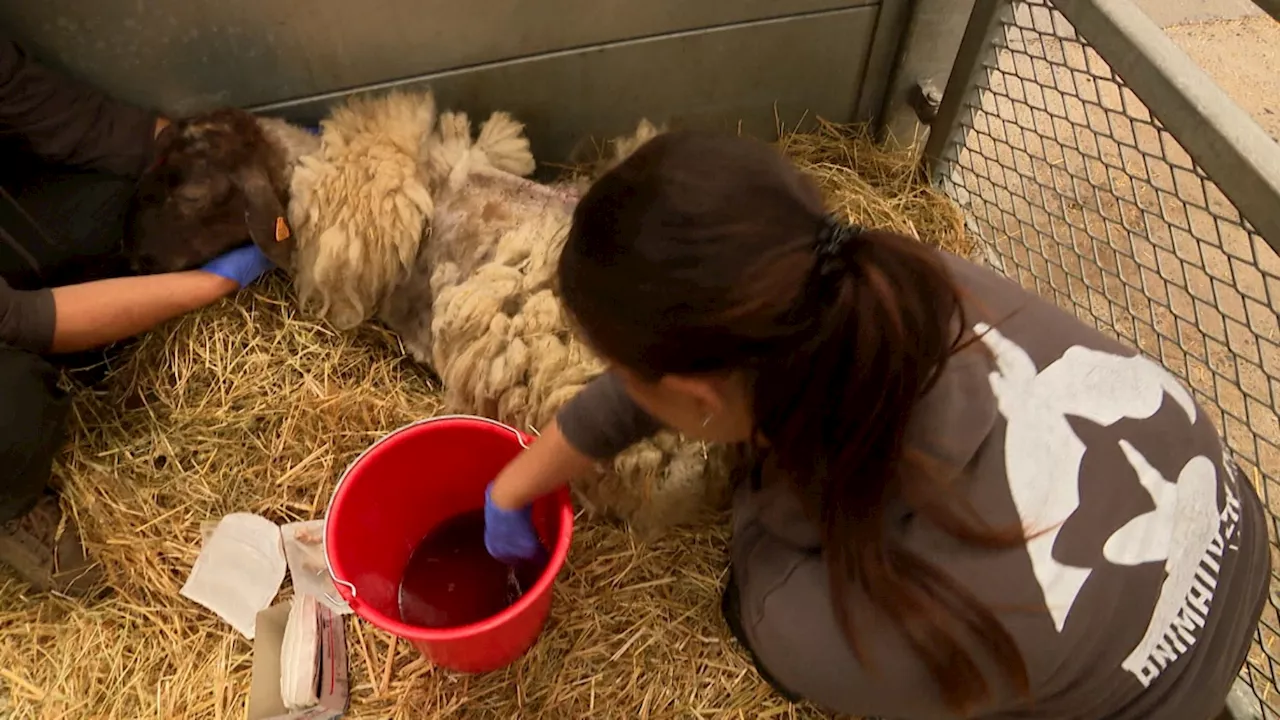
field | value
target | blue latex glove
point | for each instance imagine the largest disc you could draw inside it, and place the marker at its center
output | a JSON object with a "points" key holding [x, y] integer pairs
{"points": [[509, 535], [241, 266]]}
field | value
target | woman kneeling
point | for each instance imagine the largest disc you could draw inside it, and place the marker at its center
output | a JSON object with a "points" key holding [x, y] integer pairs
{"points": [[965, 503]]}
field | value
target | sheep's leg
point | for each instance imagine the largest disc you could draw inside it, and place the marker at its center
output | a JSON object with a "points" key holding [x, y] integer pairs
{"points": [[407, 313], [504, 144], [624, 146]]}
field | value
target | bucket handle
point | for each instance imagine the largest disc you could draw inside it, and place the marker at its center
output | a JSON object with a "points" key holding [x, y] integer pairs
{"points": [[342, 478], [338, 601]]}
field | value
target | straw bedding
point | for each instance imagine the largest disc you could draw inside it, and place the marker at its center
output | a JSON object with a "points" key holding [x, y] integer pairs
{"points": [[245, 406]]}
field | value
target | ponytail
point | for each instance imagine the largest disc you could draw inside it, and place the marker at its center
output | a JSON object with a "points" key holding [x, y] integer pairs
{"points": [[838, 433]]}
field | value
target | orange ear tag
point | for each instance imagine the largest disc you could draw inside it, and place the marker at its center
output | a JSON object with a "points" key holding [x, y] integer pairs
{"points": [[282, 230]]}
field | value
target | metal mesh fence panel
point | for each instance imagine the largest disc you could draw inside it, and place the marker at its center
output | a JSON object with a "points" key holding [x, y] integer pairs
{"points": [[1079, 192]]}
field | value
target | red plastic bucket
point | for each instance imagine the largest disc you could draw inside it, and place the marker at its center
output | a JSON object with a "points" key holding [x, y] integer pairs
{"points": [[401, 488]]}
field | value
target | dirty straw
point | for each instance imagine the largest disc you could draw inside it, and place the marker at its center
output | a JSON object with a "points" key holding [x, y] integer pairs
{"points": [[248, 406]]}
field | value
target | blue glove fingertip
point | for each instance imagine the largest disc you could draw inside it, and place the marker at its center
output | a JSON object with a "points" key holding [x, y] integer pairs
{"points": [[242, 265], [509, 535], [491, 518]]}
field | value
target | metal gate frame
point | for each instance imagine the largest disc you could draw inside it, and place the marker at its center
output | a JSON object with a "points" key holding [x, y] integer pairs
{"points": [[1098, 165]]}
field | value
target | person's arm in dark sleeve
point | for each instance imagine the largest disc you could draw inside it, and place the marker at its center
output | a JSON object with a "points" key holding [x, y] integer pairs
{"points": [[89, 315], [598, 423], [68, 122], [27, 318]]}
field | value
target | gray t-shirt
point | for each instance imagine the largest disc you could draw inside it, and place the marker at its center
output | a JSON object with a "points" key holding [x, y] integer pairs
{"points": [[1137, 599]]}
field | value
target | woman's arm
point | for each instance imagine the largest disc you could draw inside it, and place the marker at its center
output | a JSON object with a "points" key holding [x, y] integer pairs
{"points": [[94, 314], [597, 424], [89, 315], [600, 422], [548, 463]]}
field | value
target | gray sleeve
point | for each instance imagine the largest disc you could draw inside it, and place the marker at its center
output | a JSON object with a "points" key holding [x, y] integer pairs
{"points": [[602, 420], [26, 318]]}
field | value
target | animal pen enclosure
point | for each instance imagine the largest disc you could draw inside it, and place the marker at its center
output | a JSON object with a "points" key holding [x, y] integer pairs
{"points": [[1095, 163], [1102, 168], [567, 68]]}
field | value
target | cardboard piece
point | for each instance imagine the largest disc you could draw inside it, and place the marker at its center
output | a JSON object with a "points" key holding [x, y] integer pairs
{"points": [[333, 688]]}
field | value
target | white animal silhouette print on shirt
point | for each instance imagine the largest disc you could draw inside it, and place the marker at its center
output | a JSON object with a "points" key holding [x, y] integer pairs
{"points": [[1043, 457]]}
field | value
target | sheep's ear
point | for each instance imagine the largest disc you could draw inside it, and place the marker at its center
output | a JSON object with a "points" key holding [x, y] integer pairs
{"points": [[161, 147], [264, 216], [167, 136]]}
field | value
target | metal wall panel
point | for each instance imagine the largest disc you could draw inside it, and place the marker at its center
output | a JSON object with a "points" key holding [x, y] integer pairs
{"points": [[927, 53], [811, 65], [185, 55]]}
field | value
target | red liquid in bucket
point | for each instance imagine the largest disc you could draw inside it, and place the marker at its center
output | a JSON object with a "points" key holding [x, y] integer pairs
{"points": [[452, 580], [405, 488]]}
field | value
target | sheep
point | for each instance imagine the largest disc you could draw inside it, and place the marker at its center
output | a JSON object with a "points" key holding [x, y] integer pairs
{"points": [[220, 178], [496, 336], [400, 216]]}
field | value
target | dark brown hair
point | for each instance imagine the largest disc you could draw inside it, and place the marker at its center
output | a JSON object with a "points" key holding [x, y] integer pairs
{"points": [[699, 254]]}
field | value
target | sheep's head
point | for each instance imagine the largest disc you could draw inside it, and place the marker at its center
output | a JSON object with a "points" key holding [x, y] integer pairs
{"points": [[217, 183]]}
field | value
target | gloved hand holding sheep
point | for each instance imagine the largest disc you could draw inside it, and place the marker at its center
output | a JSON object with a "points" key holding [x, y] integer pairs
{"points": [[242, 265]]}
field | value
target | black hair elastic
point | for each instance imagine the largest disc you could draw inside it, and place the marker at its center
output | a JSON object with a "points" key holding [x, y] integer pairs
{"points": [[831, 261], [833, 237]]}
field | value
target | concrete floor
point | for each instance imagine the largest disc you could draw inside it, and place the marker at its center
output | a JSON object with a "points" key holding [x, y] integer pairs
{"points": [[1236, 43], [1243, 56], [1180, 12]]}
